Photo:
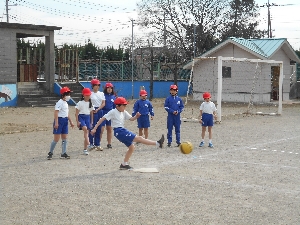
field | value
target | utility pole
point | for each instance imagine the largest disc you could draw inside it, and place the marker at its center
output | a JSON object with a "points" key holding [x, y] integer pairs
{"points": [[132, 58], [7, 15], [269, 15], [194, 34]]}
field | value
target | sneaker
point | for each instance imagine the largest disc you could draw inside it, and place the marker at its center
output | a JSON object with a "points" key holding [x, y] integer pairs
{"points": [[126, 167], [109, 146], [91, 147], [161, 141], [178, 144], [201, 144], [64, 156], [99, 148], [169, 145], [49, 155], [85, 152], [210, 145]]}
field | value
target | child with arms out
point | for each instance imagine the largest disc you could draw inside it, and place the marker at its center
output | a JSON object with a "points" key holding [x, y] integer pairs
{"points": [[118, 117]]}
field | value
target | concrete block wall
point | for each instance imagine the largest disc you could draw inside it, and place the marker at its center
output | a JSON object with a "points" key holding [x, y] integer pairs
{"points": [[8, 57]]}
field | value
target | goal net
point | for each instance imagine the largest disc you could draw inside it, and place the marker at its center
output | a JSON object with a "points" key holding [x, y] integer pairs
{"points": [[241, 85]]}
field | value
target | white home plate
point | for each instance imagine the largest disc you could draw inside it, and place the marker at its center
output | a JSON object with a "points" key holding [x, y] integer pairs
{"points": [[146, 170]]}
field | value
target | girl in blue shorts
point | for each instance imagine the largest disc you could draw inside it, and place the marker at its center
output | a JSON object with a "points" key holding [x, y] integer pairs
{"points": [[84, 116], [109, 105], [118, 117], [60, 124], [207, 113]]}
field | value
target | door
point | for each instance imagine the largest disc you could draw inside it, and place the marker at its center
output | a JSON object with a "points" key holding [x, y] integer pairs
{"points": [[275, 73]]}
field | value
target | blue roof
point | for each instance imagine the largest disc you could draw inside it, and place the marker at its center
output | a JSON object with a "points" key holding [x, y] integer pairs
{"points": [[263, 47]]}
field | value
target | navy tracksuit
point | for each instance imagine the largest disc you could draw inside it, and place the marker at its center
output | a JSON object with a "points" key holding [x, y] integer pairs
{"points": [[172, 104]]}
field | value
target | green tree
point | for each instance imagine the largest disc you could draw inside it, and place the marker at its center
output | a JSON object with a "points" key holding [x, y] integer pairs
{"points": [[242, 20]]}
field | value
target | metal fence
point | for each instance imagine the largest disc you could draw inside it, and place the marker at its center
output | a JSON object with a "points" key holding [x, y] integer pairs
{"points": [[125, 70]]}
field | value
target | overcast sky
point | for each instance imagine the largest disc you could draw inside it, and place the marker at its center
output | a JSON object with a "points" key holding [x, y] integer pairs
{"points": [[106, 22]]}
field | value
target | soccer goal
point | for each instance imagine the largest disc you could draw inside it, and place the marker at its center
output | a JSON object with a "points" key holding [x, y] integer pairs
{"points": [[247, 86]]}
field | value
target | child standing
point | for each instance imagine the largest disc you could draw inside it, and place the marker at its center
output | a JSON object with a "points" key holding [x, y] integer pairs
{"points": [[60, 124], [174, 106], [145, 108], [98, 101], [207, 112], [84, 116], [118, 117], [109, 105]]}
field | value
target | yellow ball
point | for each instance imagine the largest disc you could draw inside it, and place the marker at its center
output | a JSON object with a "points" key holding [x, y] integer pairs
{"points": [[186, 147]]}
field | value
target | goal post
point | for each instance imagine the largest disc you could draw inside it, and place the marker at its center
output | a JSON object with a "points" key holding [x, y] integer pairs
{"points": [[241, 60]]}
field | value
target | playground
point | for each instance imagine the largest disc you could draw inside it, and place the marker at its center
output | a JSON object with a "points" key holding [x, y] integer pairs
{"points": [[251, 176]]}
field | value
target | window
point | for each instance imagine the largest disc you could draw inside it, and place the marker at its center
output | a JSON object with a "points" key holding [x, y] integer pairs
{"points": [[226, 72]]}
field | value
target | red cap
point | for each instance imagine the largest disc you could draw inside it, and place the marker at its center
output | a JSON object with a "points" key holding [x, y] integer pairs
{"points": [[109, 85], [206, 95], [143, 93], [64, 90], [120, 101], [174, 87], [86, 91], [95, 81]]}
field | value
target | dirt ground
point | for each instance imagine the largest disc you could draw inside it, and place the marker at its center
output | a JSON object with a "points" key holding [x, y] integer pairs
{"points": [[251, 176]]}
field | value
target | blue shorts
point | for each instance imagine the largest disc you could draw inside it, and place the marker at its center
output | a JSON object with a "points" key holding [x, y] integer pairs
{"points": [[85, 120], [106, 122], [124, 135], [143, 121], [207, 120], [62, 126]]}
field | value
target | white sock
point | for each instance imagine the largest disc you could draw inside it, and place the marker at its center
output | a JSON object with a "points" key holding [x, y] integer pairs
{"points": [[203, 140], [210, 141], [157, 144], [125, 163]]}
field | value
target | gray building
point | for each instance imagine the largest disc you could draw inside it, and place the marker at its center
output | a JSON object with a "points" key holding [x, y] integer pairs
{"points": [[10, 75]]}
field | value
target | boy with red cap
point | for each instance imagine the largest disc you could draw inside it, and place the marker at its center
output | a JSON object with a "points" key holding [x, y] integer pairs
{"points": [[60, 124], [174, 106], [145, 108], [118, 117], [207, 112]]}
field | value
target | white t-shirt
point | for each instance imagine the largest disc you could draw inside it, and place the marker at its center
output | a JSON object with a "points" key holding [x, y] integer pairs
{"points": [[83, 107], [208, 107], [62, 107], [117, 118], [97, 98]]}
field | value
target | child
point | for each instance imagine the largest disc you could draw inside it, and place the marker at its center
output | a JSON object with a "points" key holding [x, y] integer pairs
{"points": [[109, 105], [84, 116], [174, 106], [60, 124], [118, 117], [144, 107], [98, 101], [207, 112]]}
